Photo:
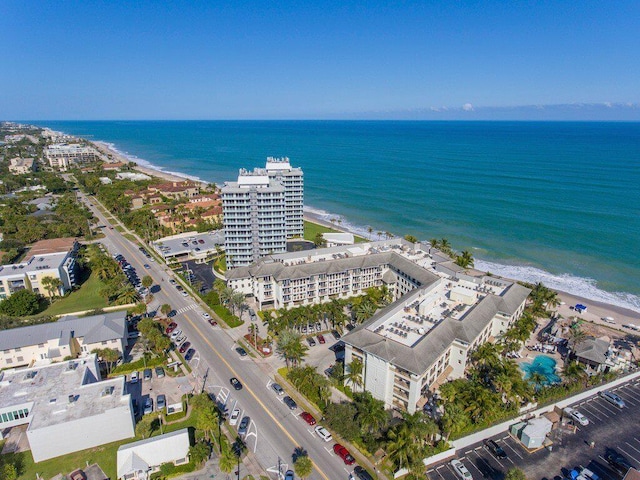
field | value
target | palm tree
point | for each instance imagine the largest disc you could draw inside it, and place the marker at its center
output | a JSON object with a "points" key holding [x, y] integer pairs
{"points": [[127, 295], [370, 230], [574, 372], [371, 413], [354, 375], [538, 380], [147, 281], [227, 461], [465, 260], [165, 309], [454, 420], [290, 347], [303, 466], [576, 336], [46, 284]]}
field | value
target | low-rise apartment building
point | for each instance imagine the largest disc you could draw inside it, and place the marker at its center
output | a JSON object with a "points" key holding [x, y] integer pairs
{"points": [[68, 337], [22, 166], [63, 156], [54, 258], [66, 407], [439, 315]]}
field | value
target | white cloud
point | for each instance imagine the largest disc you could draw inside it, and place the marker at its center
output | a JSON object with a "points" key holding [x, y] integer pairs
{"points": [[607, 104], [467, 107]]}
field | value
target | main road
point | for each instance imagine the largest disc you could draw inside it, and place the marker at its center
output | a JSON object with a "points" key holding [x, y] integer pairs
{"points": [[275, 432]]}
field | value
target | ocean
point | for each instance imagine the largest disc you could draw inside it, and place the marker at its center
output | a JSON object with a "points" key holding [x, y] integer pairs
{"points": [[557, 202]]}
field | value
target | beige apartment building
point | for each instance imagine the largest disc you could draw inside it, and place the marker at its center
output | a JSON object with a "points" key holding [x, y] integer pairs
{"points": [[21, 166]]}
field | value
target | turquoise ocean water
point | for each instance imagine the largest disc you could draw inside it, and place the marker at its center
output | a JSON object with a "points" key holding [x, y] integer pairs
{"points": [[551, 201]]}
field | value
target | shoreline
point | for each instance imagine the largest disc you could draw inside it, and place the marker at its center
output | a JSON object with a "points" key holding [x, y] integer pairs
{"points": [[622, 315]]}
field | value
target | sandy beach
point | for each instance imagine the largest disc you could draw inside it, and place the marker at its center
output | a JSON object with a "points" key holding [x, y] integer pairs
{"points": [[118, 157]]}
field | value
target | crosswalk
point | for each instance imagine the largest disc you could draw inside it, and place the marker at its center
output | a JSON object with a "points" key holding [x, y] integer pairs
{"points": [[193, 306]]}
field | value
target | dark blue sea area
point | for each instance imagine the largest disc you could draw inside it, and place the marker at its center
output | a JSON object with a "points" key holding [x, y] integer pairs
{"points": [[552, 201]]}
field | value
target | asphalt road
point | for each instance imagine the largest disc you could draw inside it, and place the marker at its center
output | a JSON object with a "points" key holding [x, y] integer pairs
{"points": [[275, 431], [611, 428]]}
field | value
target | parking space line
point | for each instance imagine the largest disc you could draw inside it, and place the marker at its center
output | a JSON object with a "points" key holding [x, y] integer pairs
{"points": [[477, 469], [512, 449], [629, 455], [604, 473], [590, 410], [599, 411], [329, 451], [631, 446], [607, 406], [486, 462], [440, 474]]}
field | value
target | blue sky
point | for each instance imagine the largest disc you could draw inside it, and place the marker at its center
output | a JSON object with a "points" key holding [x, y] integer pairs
{"points": [[237, 60]]}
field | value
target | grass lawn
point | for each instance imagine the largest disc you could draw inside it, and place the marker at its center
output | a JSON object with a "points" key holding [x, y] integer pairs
{"points": [[85, 298], [104, 455], [312, 229]]}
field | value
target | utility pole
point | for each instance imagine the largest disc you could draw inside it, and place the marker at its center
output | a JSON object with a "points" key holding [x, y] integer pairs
{"points": [[204, 379]]}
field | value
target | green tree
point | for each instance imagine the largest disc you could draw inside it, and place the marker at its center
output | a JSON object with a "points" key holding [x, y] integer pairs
{"points": [[165, 309], [8, 471], [127, 295], [465, 259], [290, 347], [341, 417], [147, 281], [319, 240], [21, 304], [227, 460], [199, 453], [51, 285], [371, 413], [411, 238], [146, 426], [515, 474], [303, 466], [108, 355], [354, 373]]}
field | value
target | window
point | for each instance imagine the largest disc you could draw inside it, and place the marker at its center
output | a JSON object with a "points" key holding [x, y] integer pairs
{"points": [[5, 418], [41, 345], [104, 343], [9, 360], [18, 350], [20, 359]]}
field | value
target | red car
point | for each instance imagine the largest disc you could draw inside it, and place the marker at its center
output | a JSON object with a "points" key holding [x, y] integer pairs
{"points": [[213, 323], [321, 339], [171, 327], [344, 454], [307, 417], [184, 347]]}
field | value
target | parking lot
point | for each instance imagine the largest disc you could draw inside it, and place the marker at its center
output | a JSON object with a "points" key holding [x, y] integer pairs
{"points": [[172, 387], [613, 430]]}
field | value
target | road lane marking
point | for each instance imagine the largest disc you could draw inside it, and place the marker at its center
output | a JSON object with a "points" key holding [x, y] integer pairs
{"points": [[206, 340], [629, 455], [631, 446], [506, 444]]}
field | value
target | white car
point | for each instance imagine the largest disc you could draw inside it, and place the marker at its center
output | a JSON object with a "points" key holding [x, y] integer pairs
{"points": [[235, 415], [323, 433], [184, 293], [134, 377], [181, 338], [460, 470], [175, 334], [206, 316], [576, 416]]}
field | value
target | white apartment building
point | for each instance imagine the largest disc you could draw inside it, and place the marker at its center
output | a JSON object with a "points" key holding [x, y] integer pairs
{"points": [[21, 166], [292, 179], [66, 407], [68, 337], [261, 211], [440, 314], [63, 155], [253, 210], [55, 258]]}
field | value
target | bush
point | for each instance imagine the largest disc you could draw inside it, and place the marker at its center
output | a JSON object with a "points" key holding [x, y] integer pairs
{"points": [[137, 365], [227, 316], [21, 304]]}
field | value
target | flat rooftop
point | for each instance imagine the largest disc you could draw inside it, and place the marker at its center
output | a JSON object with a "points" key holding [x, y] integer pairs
{"points": [[189, 243], [62, 392]]}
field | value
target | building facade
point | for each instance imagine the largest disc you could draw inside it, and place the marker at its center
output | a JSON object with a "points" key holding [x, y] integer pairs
{"points": [[54, 258], [22, 166], [66, 407], [439, 314], [68, 337], [63, 156], [261, 211]]}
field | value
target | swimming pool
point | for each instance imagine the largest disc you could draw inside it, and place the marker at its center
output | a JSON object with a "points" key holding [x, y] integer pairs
{"points": [[543, 365]]}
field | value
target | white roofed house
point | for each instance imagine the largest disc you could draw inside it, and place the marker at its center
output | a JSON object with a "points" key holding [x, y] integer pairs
{"points": [[138, 460], [68, 337], [66, 407]]}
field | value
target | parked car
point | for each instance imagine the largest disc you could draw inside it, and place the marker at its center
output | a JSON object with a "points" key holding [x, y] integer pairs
{"points": [[289, 475], [206, 316], [181, 338], [312, 342], [172, 282], [189, 355], [233, 419], [321, 339], [161, 402], [460, 470], [613, 398], [241, 351], [171, 327], [335, 334], [184, 293], [175, 334], [618, 462], [244, 425], [277, 388], [344, 454], [323, 433], [495, 449], [148, 406], [212, 322], [290, 402], [361, 473], [159, 372], [147, 266], [576, 416], [148, 373], [184, 347], [235, 383], [307, 417], [135, 376]]}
